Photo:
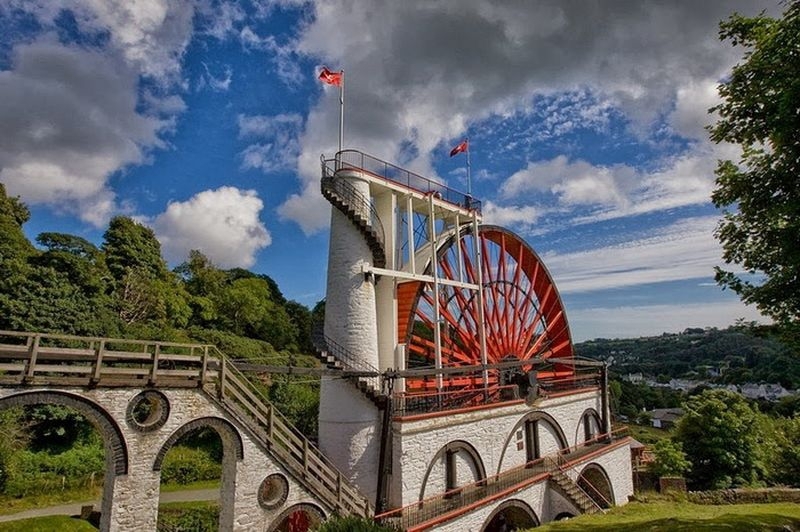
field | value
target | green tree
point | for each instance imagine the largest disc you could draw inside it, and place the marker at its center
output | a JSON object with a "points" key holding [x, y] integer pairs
{"points": [[670, 459], [760, 196], [130, 246], [783, 461], [722, 438]]}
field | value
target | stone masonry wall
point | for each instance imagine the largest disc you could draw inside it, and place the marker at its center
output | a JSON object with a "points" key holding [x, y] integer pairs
{"points": [[135, 495]]}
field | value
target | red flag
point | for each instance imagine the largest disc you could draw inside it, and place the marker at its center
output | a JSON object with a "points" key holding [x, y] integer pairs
{"points": [[464, 146], [330, 77]]}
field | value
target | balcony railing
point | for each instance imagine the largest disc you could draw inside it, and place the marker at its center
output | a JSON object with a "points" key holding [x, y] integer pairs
{"points": [[361, 161]]}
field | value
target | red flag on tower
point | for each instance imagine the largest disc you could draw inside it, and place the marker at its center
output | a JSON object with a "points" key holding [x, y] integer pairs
{"points": [[464, 146], [330, 77]]}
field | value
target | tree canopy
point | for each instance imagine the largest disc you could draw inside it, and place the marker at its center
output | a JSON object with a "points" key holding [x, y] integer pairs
{"points": [[720, 434], [760, 195]]}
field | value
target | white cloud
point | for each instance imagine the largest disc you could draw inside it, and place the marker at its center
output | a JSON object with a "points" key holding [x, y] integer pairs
{"points": [[277, 145], [219, 83], [223, 224], [506, 216], [69, 122], [420, 71], [684, 250], [652, 320]]}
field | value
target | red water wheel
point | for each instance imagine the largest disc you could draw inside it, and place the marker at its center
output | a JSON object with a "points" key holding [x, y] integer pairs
{"points": [[522, 311]]}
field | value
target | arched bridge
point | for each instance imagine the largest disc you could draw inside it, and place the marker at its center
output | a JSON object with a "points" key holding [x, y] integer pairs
{"points": [[143, 396]]}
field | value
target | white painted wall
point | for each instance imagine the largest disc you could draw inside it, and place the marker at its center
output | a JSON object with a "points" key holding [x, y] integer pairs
{"points": [[349, 424]]}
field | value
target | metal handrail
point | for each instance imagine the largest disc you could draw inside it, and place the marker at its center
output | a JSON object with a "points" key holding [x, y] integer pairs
{"points": [[361, 161], [353, 197], [414, 403], [347, 359]]}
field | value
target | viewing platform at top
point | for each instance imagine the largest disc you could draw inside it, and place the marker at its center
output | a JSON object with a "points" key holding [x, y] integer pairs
{"points": [[377, 168]]}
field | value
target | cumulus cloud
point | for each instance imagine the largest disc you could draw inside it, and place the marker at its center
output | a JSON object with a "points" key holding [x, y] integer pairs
{"points": [[421, 71], [508, 216], [70, 120], [151, 35], [223, 224]]}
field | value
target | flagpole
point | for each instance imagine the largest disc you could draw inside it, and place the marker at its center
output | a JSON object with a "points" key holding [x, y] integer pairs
{"points": [[341, 111], [469, 172]]}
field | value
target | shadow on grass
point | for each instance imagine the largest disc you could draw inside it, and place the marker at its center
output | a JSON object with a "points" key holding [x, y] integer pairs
{"points": [[727, 522]]}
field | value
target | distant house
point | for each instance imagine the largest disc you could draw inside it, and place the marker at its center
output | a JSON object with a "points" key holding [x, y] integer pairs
{"points": [[664, 418]]}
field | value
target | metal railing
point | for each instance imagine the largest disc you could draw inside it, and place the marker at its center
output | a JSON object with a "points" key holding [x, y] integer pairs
{"points": [[59, 360], [356, 200], [456, 501], [361, 161], [347, 360], [417, 403]]}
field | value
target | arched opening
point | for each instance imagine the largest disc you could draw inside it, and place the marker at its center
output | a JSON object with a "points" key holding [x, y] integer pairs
{"points": [[63, 415], [563, 516], [456, 464], [536, 435], [589, 427], [298, 518], [513, 514], [595, 482], [202, 453]]}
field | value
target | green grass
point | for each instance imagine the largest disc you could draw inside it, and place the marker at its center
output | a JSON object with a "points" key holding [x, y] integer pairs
{"points": [[685, 516], [647, 434], [55, 523], [12, 505], [199, 485]]}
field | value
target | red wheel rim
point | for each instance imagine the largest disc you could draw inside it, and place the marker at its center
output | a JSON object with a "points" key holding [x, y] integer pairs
{"points": [[523, 313]]}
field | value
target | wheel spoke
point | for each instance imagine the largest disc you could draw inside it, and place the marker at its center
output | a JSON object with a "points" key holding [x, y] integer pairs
{"points": [[523, 315]]}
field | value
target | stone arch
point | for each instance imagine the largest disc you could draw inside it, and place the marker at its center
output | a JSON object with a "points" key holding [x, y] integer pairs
{"points": [[451, 451], [116, 449], [523, 443], [596, 483], [298, 518], [232, 452], [221, 426], [589, 427], [563, 516], [512, 514]]}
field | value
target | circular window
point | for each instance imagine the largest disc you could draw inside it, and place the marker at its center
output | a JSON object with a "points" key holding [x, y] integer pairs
{"points": [[273, 491], [148, 411]]}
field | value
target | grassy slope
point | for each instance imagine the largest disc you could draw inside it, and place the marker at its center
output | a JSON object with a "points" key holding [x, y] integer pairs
{"points": [[55, 523], [684, 516]]}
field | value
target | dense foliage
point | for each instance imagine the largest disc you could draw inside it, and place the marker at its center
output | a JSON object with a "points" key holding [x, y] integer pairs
{"points": [[740, 354], [124, 288], [760, 196]]}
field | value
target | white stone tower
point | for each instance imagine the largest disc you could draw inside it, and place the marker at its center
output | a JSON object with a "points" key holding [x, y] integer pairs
{"points": [[349, 423]]}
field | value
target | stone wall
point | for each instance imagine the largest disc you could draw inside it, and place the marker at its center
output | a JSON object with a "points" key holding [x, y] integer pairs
{"points": [[130, 501]]}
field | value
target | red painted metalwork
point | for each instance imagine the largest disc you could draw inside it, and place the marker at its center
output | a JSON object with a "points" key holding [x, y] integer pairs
{"points": [[523, 314]]}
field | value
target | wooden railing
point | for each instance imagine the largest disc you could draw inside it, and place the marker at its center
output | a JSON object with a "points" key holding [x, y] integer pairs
{"points": [[60, 360]]}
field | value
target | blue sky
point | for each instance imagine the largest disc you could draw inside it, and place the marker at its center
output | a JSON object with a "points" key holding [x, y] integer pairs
{"points": [[205, 121]]}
